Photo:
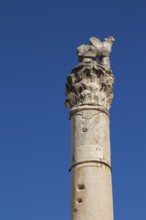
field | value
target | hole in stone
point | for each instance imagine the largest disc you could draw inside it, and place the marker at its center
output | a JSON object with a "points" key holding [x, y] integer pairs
{"points": [[75, 210], [84, 129], [79, 200], [81, 186]]}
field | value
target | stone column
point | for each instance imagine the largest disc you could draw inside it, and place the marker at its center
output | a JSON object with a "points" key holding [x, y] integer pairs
{"points": [[89, 92]]}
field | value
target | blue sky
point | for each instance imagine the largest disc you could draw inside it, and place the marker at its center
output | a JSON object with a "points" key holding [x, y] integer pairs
{"points": [[38, 40]]}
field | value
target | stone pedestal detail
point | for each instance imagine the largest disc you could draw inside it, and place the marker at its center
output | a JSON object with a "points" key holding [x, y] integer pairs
{"points": [[89, 92]]}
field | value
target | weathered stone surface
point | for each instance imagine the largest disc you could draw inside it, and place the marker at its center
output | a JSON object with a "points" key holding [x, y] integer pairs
{"points": [[94, 200], [90, 136], [89, 95], [91, 166], [89, 84]]}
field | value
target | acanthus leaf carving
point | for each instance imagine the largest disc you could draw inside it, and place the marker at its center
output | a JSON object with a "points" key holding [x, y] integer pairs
{"points": [[91, 82]]}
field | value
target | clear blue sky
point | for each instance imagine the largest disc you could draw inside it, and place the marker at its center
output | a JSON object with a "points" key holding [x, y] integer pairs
{"points": [[38, 39]]}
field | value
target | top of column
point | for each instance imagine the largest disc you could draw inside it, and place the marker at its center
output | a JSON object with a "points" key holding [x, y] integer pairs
{"points": [[90, 82]]}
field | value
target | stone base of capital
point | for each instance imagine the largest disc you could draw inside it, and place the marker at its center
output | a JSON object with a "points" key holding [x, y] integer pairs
{"points": [[88, 107]]}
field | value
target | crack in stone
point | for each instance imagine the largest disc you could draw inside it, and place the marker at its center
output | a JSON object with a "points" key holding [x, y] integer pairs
{"points": [[90, 117]]}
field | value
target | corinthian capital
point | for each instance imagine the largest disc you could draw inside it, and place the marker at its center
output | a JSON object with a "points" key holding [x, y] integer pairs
{"points": [[91, 82]]}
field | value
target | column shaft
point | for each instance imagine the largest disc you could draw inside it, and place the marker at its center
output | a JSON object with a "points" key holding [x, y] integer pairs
{"points": [[91, 188]]}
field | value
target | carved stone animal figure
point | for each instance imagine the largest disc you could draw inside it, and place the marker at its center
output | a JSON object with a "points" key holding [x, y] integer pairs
{"points": [[102, 48]]}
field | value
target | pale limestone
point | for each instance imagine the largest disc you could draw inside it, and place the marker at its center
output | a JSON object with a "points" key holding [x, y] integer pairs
{"points": [[89, 92]]}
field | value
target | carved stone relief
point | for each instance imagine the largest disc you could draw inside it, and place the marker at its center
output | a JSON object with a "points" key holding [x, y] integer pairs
{"points": [[91, 82]]}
